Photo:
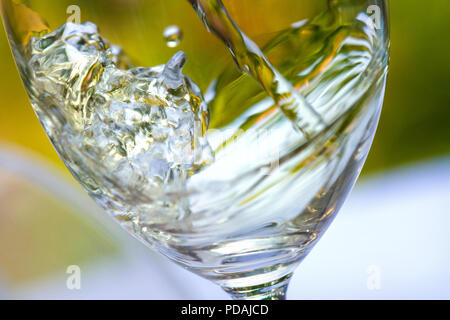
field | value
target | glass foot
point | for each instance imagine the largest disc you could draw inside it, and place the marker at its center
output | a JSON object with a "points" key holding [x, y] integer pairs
{"points": [[274, 290]]}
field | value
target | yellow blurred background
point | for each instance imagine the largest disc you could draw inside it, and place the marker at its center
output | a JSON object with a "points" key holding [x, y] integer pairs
{"points": [[415, 120], [414, 127]]}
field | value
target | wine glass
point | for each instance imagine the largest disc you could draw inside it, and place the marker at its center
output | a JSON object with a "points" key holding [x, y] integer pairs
{"points": [[224, 134]]}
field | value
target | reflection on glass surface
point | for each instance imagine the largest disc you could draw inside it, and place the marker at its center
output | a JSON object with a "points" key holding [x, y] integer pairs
{"points": [[227, 147]]}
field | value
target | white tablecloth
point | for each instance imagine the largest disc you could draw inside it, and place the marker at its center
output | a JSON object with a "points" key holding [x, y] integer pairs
{"points": [[390, 241]]}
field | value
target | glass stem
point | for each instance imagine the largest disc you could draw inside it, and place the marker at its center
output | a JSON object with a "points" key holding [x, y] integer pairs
{"points": [[274, 290]]}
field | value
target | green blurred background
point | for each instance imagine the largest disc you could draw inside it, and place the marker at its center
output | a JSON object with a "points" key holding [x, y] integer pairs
{"points": [[414, 123], [414, 127]]}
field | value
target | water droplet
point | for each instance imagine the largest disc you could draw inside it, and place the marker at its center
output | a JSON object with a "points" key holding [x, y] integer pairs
{"points": [[173, 36]]}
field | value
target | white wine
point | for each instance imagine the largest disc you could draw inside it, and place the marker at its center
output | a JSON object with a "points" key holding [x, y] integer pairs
{"points": [[250, 59], [125, 134], [237, 177]]}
